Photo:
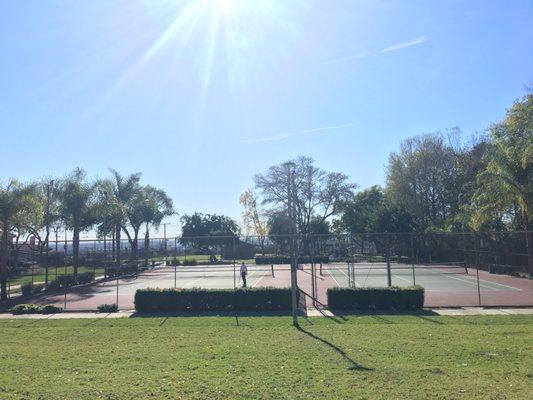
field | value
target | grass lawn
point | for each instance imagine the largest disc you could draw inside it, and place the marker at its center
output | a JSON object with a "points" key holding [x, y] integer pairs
{"points": [[365, 357], [39, 274]]}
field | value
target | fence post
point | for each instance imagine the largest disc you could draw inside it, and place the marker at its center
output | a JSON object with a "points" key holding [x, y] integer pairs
{"points": [[387, 255], [234, 267], [477, 268], [413, 257], [272, 268]]}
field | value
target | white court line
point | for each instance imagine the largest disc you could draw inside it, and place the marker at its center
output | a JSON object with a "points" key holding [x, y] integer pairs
{"points": [[261, 277], [356, 284], [474, 282]]}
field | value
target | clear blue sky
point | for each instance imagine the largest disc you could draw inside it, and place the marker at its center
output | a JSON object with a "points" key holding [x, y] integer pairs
{"points": [[200, 95]]}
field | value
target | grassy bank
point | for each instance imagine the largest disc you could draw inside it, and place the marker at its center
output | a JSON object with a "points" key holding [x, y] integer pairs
{"points": [[369, 357]]}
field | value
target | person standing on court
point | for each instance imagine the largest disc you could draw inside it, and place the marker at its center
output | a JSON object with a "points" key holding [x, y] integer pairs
{"points": [[244, 272]]}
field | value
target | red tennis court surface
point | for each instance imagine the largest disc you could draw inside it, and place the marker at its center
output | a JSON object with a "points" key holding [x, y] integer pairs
{"points": [[445, 287]]}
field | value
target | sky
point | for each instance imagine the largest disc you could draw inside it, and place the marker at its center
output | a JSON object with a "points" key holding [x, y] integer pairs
{"points": [[201, 95]]}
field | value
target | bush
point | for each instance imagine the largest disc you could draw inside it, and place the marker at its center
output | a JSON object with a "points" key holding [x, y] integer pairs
{"points": [[51, 309], [174, 262], [28, 289], [26, 309], [249, 299], [66, 280], [190, 262], [113, 272], [107, 308], [53, 285], [38, 288], [85, 277], [262, 260], [382, 298]]}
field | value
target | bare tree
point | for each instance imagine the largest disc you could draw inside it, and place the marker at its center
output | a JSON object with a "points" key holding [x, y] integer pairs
{"points": [[318, 194], [253, 217]]}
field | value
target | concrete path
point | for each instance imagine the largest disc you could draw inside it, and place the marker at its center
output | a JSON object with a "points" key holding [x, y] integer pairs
{"points": [[310, 313]]}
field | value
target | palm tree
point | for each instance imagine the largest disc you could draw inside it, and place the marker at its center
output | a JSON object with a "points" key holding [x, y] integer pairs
{"points": [[14, 200], [126, 193], [155, 205], [77, 207], [507, 182]]}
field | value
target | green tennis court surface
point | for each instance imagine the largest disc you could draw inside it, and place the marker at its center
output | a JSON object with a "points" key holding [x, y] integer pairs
{"points": [[446, 285]]}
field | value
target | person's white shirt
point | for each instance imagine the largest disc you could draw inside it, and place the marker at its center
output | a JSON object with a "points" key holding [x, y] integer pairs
{"points": [[244, 269]]}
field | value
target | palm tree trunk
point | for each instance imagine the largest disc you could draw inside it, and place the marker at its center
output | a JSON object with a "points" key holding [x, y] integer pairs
{"points": [[76, 250], [146, 247], [117, 241]]}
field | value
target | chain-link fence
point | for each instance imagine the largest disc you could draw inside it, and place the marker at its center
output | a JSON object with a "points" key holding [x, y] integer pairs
{"points": [[456, 269]]}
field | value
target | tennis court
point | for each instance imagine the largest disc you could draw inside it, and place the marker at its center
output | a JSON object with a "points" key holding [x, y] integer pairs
{"points": [[446, 285]]}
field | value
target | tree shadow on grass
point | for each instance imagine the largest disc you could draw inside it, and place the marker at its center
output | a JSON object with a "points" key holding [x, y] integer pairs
{"points": [[354, 365]]}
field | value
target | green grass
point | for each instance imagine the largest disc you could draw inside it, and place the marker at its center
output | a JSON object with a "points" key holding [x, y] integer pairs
{"points": [[39, 274], [369, 357]]}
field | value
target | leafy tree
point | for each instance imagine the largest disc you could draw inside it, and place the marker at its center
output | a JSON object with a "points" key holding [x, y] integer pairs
{"points": [[279, 229], [77, 207], [361, 214], [204, 231], [422, 178], [506, 185], [14, 201]]}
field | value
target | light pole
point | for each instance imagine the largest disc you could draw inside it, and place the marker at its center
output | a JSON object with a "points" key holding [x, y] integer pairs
{"points": [[294, 283]]}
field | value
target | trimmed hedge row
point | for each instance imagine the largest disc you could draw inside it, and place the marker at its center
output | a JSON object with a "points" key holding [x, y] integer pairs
{"points": [[379, 298], [35, 309], [262, 260], [249, 299]]}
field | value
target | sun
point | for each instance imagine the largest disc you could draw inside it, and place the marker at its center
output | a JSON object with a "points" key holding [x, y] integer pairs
{"points": [[225, 7]]}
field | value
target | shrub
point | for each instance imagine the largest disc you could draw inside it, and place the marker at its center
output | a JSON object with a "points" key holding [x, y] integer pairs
{"points": [[28, 289], [53, 285], [113, 272], [382, 298], [249, 299], [190, 262], [85, 277], [66, 280], [107, 308], [26, 309], [51, 309], [262, 260], [38, 288], [174, 262]]}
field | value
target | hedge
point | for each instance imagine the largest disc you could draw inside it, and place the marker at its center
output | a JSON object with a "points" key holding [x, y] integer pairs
{"points": [[380, 298], [248, 299], [107, 308], [262, 260], [35, 309]]}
